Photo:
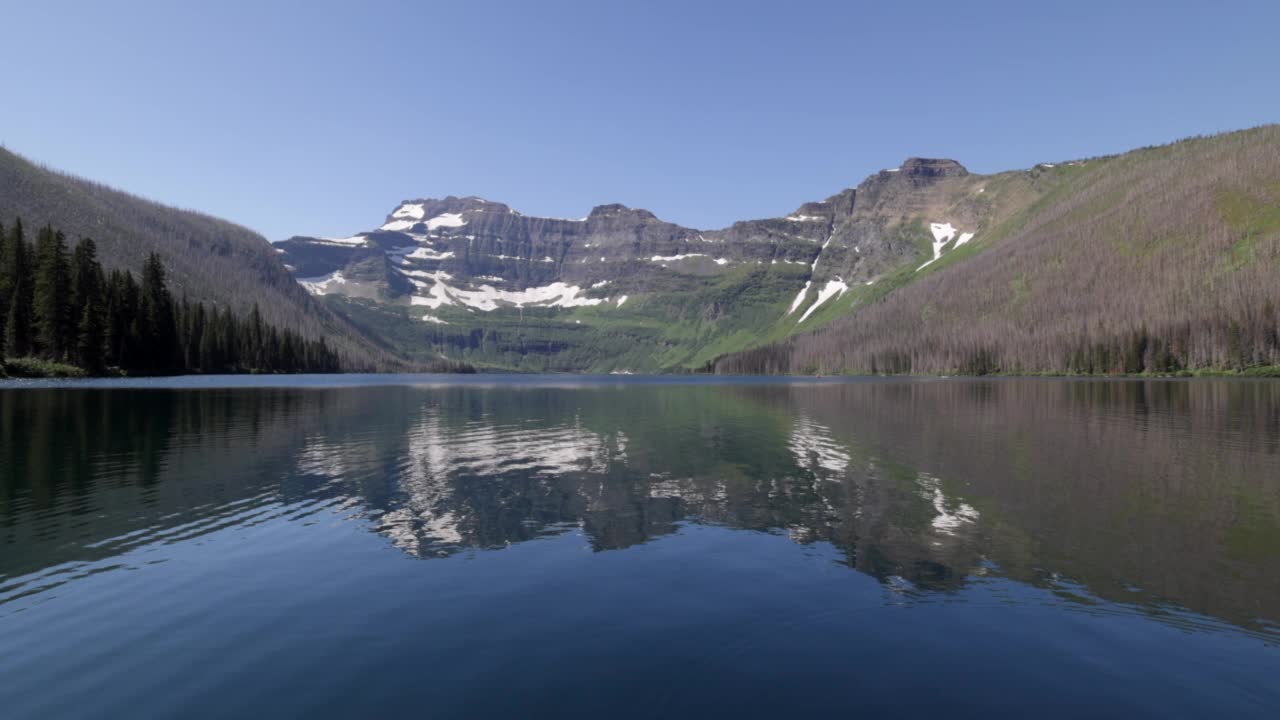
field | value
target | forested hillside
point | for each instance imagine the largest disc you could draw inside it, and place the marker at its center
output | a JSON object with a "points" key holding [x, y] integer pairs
{"points": [[1161, 260], [206, 259], [58, 308]]}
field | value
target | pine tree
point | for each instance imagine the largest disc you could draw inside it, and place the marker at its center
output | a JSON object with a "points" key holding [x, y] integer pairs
{"points": [[52, 294], [86, 276], [199, 324], [155, 322], [122, 308], [69, 309], [255, 340], [89, 343], [4, 288], [88, 306], [211, 356], [17, 272]]}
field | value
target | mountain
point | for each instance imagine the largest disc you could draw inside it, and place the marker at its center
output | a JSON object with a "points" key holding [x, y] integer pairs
{"points": [[207, 259], [1164, 259], [1161, 259], [621, 289]]}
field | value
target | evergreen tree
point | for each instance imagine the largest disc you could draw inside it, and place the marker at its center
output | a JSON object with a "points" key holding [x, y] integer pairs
{"points": [[156, 332], [69, 309], [254, 340], [52, 294], [86, 276], [17, 273], [199, 322], [88, 306], [89, 343], [122, 308], [4, 288]]}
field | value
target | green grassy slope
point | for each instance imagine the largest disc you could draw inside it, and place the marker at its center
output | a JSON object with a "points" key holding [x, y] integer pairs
{"points": [[678, 325]]}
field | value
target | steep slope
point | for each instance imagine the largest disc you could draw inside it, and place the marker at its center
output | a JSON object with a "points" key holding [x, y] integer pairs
{"points": [[1158, 260], [620, 289], [208, 259]]}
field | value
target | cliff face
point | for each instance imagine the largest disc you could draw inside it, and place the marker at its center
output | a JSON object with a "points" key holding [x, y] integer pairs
{"points": [[852, 235], [467, 263]]}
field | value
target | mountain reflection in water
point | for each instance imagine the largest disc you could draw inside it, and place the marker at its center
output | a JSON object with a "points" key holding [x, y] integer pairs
{"points": [[1158, 497]]}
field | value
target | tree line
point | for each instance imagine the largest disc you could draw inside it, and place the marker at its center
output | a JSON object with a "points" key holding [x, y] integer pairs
{"points": [[1248, 342], [62, 306]]}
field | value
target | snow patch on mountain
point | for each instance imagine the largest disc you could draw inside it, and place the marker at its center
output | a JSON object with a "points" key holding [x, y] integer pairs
{"points": [[487, 298], [834, 288], [446, 220], [944, 233], [814, 267], [426, 253], [320, 285], [410, 210], [795, 304], [353, 240], [411, 218], [672, 258]]}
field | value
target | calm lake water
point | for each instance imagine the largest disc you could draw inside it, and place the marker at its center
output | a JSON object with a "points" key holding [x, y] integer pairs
{"points": [[595, 547]]}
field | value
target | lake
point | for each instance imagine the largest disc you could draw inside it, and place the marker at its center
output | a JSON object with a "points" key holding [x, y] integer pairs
{"points": [[487, 546]]}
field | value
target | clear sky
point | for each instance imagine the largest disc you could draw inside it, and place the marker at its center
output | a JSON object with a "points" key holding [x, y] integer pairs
{"points": [[317, 118]]}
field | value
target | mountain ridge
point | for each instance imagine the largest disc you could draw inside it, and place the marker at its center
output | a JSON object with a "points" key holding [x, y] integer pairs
{"points": [[926, 267], [479, 255], [1163, 259], [621, 289]]}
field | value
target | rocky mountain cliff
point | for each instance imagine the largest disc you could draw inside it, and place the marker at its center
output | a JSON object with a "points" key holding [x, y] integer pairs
{"points": [[474, 279]]}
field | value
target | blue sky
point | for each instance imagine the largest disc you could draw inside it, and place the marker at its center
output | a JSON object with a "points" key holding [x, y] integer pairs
{"points": [[318, 117]]}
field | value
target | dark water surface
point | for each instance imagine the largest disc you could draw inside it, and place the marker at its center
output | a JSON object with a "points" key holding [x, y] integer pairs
{"points": [[515, 547]]}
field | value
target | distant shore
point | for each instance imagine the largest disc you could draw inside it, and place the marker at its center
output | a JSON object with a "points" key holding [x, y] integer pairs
{"points": [[40, 369], [29, 368]]}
